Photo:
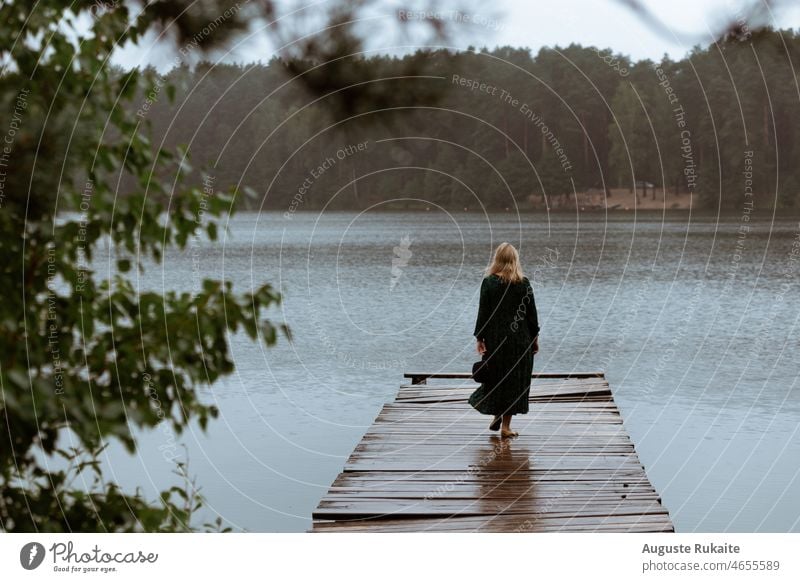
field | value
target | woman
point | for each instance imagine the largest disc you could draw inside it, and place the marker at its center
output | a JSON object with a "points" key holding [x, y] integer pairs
{"points": [[508, 327]]}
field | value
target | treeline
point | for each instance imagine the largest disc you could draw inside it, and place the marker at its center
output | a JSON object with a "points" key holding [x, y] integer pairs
{"points": [[493, 129]]}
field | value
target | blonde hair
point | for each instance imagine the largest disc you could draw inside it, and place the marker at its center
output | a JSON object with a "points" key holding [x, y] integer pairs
{"points": [[505, 264]]}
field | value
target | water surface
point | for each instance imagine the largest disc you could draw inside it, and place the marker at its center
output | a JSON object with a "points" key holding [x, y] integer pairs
{"points": [[694, 324]]}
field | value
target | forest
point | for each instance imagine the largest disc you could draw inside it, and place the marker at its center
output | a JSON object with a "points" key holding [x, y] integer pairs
{"points": [[492, 129]]}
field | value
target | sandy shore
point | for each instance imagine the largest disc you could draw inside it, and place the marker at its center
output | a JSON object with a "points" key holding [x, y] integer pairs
{"points": [[619, 199], [630, 200]]}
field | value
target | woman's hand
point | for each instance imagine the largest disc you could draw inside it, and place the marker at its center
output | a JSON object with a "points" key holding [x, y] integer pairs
{"points": [[536, 345], [481, 347]]}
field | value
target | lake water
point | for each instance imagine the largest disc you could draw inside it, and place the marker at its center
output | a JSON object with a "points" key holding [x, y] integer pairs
{"points": [[694, 322]]}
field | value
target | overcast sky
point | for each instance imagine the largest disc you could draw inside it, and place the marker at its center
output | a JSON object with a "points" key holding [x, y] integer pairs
{"points": [[533, 24], [608, 23]]}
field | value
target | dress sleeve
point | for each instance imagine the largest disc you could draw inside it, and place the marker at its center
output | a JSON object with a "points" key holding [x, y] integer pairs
{"points": [[484, 310], [530, 311]]}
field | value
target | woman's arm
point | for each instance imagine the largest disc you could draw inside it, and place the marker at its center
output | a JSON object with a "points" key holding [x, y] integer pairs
{"points": [[484, 313], [531, 316]]}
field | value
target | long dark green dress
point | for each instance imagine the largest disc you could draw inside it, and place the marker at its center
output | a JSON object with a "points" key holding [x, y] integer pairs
{"points": [[507, 323]]}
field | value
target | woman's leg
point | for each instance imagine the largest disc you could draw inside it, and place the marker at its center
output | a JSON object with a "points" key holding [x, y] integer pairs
{"points": [[505, 428]]}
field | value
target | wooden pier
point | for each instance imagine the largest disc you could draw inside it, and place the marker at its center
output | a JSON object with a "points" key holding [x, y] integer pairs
{"points": [[429, 463]]}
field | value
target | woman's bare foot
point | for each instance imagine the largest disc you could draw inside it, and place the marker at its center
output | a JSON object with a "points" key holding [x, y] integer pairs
{"points": [[505, 429]]}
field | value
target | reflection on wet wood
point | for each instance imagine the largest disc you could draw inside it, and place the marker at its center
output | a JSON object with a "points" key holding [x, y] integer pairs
{"points": [[429, 463]]}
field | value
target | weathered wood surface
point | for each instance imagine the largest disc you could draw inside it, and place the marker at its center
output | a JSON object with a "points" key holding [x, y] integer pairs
{"points": [[429, 463], [421, 377]]}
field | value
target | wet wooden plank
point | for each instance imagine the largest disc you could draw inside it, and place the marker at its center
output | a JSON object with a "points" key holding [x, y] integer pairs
{"points": [[428, 463], [519, 523], [449, 478], [421, 377], [580, 390]]}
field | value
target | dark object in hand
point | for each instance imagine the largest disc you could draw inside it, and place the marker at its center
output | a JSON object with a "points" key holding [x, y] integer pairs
{"points": [[482, 371]]}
